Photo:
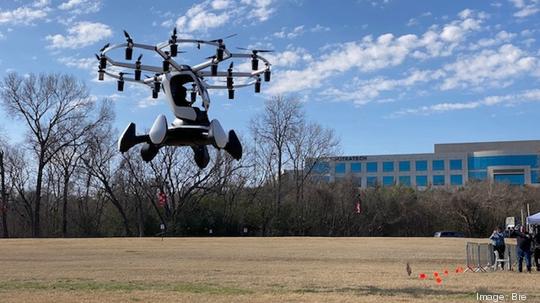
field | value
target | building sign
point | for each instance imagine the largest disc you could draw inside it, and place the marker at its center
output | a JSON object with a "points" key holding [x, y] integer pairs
{"points": [[350, 158]]}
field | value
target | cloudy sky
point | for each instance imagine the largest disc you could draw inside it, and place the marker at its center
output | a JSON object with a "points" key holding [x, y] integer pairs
{"points": [[389, 76]]}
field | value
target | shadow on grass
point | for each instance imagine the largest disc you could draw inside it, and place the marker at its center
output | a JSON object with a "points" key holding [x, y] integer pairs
{"points": [[91, 285], [415, 292]]}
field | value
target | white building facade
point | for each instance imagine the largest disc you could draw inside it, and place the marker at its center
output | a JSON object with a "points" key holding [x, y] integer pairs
{"points": [[450, 165]]}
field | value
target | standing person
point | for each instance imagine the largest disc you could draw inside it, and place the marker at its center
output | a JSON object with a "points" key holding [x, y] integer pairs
{"points": [[497, 240], [523, 248], [537, 248]]}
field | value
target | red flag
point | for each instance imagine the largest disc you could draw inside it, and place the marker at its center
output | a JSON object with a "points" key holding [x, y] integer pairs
{"points": [[422, 276], [358, 206], [162, 199]]}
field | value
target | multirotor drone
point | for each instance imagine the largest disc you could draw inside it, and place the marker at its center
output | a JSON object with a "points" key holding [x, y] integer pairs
{"points": [[191, 126]]}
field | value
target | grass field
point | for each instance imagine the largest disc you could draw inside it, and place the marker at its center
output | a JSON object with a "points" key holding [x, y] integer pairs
{"points": [[246, 270]]}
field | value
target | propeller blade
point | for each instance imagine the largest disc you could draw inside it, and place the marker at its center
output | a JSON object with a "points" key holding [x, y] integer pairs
{"points": [[126, 34], [174, 31], [104, 47], [220, 40], [97, 56], [231, 65], [256, 50], [140, 57]]}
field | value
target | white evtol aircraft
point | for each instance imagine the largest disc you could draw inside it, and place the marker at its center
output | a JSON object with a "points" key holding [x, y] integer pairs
{"points": [[191, 126]]}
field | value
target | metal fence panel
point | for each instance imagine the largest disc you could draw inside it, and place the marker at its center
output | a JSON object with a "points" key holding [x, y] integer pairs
{"points": [[481, 256]]}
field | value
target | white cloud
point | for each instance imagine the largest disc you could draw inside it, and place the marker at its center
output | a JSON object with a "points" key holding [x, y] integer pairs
{"points": [[295, 32], [489, 68], [319, 29], [288, 58], [80, 34], [169, 23], [220, 4], [41, 3], [526, 7], [81, 6], [22, 15], [259, 9], [371, 54], [364, 91], [500, 37], [505, 100], [208, 14], [412, 22], [199, 18], [80, 63]]}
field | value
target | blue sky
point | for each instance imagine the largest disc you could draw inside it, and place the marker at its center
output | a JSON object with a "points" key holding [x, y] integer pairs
{"points": [[389, 76]]}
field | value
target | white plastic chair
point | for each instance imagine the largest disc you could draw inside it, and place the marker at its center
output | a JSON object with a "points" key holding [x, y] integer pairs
{"points": [[498, 261]]}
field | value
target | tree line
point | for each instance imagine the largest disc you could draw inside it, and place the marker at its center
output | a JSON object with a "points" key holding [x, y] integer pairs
{"points": [[67, 179]]}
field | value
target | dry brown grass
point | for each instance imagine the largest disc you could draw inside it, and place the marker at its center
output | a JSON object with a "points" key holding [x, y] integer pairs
{"points": [[245, 270]]}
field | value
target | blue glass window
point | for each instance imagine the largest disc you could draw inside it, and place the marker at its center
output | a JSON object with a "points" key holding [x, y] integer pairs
{"points": [[421, 165], [357, 181], [535, 177], [404, 165], [514, 179], [405, 180], [483, 162], [356, 167], [340, 168], [321, 168], [372, 167], [421, 180], [371, 181], [388, 166], [438, 180], [388, 180], [456, 179], [481, 175], [437, 165], [456, 164]]}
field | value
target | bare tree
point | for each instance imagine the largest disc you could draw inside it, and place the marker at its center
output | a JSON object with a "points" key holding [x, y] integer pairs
{"points": [[3, 196], [185, 185], [67, 159], [47, 104], [19, 174], [272, 130], [309, 143], [101, 162]]}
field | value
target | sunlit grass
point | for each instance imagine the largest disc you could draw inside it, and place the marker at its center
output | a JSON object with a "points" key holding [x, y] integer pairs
{"points": [[245, 270]]}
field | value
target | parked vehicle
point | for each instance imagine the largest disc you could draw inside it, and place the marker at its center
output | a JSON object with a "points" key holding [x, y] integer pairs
{"points": [[449, 234]]}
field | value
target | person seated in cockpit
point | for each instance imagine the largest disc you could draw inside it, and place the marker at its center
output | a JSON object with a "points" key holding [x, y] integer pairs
{"points": [[179, 96]]}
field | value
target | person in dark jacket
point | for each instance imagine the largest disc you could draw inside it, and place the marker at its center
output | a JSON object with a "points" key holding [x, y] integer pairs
{"points": [[523, 248], [536, 239], [497, 240]]}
